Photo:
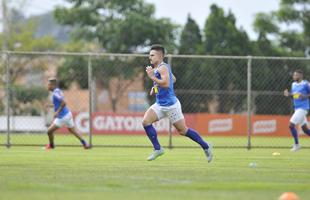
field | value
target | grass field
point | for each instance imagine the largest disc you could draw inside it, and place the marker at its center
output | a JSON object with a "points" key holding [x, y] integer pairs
{"points": [[141, 140], [123, 173]]}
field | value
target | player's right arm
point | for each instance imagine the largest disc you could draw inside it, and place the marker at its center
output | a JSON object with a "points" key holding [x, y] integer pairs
{"points": [[48, 105], [164, 73]]}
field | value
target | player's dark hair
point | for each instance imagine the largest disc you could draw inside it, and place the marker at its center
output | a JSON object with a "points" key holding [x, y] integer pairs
{"points": [[158, 47], [299, 71]]}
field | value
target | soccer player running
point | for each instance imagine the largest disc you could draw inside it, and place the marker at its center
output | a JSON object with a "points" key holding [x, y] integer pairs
{"points": [[62, 116], [300, 92], [167, 105]]}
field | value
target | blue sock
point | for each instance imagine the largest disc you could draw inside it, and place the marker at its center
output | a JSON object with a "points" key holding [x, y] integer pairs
{"points": [[294, 134], [83, 142], [151, 133], [307, 131], [196, 137]]}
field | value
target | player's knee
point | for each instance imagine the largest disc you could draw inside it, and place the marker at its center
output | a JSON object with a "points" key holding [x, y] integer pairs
{"points": [[50, 131], [145, 122], [182, 131]]}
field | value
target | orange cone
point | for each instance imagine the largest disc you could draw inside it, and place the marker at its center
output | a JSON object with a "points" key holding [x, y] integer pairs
{"points": [[289, 196]]}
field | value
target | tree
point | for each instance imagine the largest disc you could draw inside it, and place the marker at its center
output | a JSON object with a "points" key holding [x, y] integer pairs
{"points": [[191, 39], [274, 75], [119, 26], [222, 36], [295, 12], [196, 77], [186, 68], [22, 39], [117, 74], [28, 100], [286, 41], [266, 26], [25, 69]]}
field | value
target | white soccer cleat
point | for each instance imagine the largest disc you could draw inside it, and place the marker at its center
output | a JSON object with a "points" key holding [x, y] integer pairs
{"points": [[209, 153], [295, 147], [156, 154]]}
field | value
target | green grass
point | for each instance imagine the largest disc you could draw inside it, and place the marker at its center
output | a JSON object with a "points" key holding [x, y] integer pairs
{"points": [[141, 140], [122, 173]]}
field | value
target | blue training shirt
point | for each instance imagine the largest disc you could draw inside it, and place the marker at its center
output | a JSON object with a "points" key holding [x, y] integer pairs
{"points": [[302, 87], [57, 98], [165, 96]]}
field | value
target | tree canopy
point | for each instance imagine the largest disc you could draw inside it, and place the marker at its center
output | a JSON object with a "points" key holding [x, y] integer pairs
{"points": [[119, 26]]}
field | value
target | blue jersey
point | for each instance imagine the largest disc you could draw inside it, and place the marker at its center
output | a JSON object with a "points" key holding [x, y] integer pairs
{"points": [[165, 96], [57, 98], [302, 87]]}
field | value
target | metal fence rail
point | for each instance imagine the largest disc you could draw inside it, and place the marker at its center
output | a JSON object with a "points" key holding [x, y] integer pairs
{"points": [[234, 101]]}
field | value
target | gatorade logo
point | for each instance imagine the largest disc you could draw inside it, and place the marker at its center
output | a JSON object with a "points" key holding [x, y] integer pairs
{"points": [[265, 126], [220, 125], [109, 123]]}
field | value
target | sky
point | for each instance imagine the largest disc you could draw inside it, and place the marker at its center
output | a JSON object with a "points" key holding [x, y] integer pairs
{"points": [[178, 10], [244, 10]]}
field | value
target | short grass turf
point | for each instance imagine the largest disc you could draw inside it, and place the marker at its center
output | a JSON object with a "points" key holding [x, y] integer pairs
{"points": [[142, 140], [123, 173]]}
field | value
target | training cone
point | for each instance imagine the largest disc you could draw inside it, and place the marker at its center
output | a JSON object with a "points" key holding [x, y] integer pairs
{"points": [[276, 154], [289, 196]]}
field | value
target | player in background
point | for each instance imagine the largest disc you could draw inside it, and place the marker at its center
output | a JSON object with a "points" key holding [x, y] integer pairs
{"points": [[62, 116], [300, 92], [167, 105]]}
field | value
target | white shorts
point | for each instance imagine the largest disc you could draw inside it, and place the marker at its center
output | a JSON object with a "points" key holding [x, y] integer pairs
{"points": [[174, 112], [299, 117], [67, 120]]}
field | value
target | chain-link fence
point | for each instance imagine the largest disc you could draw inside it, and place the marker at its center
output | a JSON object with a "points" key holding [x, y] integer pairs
{"points": [[231, 101], [3, 100]]}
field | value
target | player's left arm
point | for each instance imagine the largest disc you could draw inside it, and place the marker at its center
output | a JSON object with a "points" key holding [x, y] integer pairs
{"points": [[164, 73], [174, 78], [305, 96], [59, 96], [287, 93]]}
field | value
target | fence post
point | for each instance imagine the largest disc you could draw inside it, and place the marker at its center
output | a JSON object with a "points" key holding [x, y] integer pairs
{"points": [[90, 101], [170, 145], [249, 100], [8, 99]]}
